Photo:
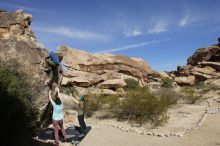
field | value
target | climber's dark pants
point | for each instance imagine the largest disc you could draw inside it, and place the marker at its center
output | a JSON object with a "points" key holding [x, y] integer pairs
{"points": [[82, 123], [54, 69]]}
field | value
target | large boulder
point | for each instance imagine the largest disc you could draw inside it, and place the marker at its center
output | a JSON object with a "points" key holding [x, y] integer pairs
{"points": [[113, 84], [204, 73], [204, 65], [101, 63], [96, 91], [164, 75], [78, 81], [82, 79], [189, 80], [91, 70], [211, 53], [183, 70], [215, 65], [18, 44], [205, 70]]}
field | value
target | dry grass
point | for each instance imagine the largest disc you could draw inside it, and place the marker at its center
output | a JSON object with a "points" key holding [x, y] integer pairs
{"points": [[167, 82], [139, 105], [190, 95]]}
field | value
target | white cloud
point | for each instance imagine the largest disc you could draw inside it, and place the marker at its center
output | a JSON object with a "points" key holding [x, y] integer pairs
{"points": [[161, 26], [74, 33], [184, 21], [133, 33], [133, 46]]}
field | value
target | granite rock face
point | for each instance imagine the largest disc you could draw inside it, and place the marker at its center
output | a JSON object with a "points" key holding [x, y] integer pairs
{"points": [[18, 43], [94, 70], [203, 66], [211, 53]]}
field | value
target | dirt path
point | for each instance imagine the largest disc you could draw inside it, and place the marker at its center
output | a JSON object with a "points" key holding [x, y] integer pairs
{"points": [[207, 135]]}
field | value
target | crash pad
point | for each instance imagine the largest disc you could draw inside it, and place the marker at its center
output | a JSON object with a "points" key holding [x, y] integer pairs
{"points": [[72, 134]]}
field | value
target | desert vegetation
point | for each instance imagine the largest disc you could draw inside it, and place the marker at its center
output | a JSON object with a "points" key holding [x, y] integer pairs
{"points": [[131, 84], [68, 89], [167, 82], [190, 94], [193, 94], [138, 105], [206, 88], [141, 105], [18, 116]]}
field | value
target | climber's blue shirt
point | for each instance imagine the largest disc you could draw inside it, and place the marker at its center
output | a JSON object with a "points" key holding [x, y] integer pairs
{"points": [[57, 111]]}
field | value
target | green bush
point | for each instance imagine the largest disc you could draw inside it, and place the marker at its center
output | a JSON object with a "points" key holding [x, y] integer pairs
{"points": [[190, 95], [68, 90], [142, 106], [167, 82], [93, 103], [18, 116], [131, 84], [139, 105]]}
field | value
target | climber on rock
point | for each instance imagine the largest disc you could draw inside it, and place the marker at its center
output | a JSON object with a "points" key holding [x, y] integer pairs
{"points": [[53, 66]]}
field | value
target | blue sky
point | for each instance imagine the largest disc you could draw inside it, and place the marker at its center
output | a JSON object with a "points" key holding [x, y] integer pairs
{"points": [[162, 32]]}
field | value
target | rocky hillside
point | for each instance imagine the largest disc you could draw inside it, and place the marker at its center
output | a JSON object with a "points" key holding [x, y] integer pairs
{"points": [[105, 71], [202, 66], [18, 44]]}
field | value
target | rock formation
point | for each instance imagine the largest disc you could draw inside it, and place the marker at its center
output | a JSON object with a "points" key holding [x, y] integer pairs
{"points": [[203, 65], [211, 54], [105, 71], [17, 42]]}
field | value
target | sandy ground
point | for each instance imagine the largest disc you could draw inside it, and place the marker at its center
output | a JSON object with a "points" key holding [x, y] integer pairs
{"points": [[207, 135], [110, 132], [182, 117]]}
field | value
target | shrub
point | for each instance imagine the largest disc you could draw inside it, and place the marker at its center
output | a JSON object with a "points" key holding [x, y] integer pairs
{"points": [[93, 103], [168, 93], [206, 88], [167, 82], [139, 106], [131, 84], [68, 89], [142, 106], [18, 116], [190, 95]]}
